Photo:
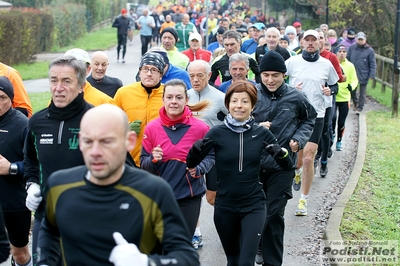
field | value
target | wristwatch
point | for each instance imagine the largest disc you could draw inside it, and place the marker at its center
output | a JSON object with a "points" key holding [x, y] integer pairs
{"points": [[13, 169]]}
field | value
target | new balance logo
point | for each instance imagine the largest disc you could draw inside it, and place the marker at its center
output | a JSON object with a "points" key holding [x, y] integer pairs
{"points": [[124, 206]]}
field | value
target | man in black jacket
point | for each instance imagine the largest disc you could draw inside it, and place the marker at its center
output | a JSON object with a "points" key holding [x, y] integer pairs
{"points": [[122, 23], [272, 39], [108, 211], [232, 42], [17, 217], [52, 139], [288, 114]]}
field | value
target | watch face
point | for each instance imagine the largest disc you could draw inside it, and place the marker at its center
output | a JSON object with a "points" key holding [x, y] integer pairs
{"points": [[13, 169]]}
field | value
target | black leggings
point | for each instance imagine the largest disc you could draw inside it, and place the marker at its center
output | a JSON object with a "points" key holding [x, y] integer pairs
{"points": [[240, 233], [343, 109], [121, 43], [146, 40], [190, 208], [18, 224], [277, 186], [325, 137]]}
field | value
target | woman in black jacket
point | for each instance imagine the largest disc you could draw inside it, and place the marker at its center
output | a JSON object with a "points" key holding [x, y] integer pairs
{"points": [[240, 211]]}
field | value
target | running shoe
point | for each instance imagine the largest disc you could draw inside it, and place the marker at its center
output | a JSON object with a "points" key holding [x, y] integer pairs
{"points": [[339, 146], [197, 242], [297, 179], [259, 258], [324, 169], [301, 208]]}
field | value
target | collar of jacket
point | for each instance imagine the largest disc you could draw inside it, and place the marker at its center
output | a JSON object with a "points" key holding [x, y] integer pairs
{"points": [[278, 93]]}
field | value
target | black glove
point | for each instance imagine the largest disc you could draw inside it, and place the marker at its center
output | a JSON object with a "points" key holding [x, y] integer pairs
{"points": [[349, 87], [275, 150], [198, 152]]}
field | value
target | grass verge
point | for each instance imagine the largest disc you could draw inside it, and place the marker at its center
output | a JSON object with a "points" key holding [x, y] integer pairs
{"points": [[373, 210], [101, 39], [39, 100]]}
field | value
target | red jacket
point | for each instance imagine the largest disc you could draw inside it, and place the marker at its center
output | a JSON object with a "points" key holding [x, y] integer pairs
{"points": [[335, 62], [199, 55]]}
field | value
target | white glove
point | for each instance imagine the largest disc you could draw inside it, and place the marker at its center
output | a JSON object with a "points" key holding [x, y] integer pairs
{"points": [[124, 254], [34, 197]]}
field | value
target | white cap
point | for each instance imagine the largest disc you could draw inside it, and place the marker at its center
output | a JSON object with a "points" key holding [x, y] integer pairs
{"points": [[311, 33], [79, 54], [195, 36]]}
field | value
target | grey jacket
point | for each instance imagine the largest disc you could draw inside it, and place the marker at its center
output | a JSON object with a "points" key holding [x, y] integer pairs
{"points": [[363, 58]]}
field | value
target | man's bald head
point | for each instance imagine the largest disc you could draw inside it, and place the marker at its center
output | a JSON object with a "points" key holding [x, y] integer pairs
{"points": [[104, 140], [99, 63]]}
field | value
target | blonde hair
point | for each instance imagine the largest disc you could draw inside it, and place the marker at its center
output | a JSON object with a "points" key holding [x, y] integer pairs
{"points": [[219, 51]]}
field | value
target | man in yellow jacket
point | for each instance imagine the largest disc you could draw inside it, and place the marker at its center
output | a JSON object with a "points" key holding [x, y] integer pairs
{"points": [[142, 100]]}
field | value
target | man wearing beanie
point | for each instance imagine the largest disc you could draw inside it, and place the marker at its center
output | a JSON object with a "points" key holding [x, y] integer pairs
{"points": [[290, 31], [123, 25], [289, 115], [17, 217], [21, 101], [317, 78], [142, 100], [169, 38], [170, 71]]}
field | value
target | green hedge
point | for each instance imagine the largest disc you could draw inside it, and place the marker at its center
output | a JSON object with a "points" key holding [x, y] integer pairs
{"points": [[24, 33], [69, 22]]}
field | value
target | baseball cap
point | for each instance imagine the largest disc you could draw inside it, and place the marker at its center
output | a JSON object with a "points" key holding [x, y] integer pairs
{"points": [[361, 35], [296, 24], [311, 33], [195, 36], [351, 31], [79, 54], [258, 26]]}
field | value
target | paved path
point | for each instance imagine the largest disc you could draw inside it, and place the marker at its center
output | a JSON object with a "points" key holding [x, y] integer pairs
{"points": [[302, 233]]}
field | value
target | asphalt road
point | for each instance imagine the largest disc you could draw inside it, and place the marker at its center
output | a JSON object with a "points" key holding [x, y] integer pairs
{"points": [[302, 233]]}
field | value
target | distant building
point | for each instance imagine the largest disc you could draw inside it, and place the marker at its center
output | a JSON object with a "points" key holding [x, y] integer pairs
{"points": [[5, 5]]}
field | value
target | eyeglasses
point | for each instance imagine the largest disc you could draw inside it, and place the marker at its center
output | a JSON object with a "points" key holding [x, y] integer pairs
{"points": [[152, 70]]}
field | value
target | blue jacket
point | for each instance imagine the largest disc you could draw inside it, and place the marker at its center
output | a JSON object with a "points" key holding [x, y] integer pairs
{"points": [[249, 46], [176, 73]]}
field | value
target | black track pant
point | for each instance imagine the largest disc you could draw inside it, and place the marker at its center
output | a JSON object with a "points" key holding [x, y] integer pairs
{"points": [[343, 109], [277, 186], [240, 233]]}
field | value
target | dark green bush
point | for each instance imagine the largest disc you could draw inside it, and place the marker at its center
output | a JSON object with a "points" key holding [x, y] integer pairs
{"points": [[69, 22], [24, 33]]}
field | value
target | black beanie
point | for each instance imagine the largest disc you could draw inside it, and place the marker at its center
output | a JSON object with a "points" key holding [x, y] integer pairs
{"points": [[172, 31], [153, 59], [272, 61], [7, 87]]}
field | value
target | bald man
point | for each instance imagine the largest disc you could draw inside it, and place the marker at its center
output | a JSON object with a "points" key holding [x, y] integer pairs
{"points": [[107, 211], [98, 78]]}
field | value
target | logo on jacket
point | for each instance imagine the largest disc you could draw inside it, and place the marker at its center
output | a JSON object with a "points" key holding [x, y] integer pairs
{"points": [[124, 206], [73, 143]]}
